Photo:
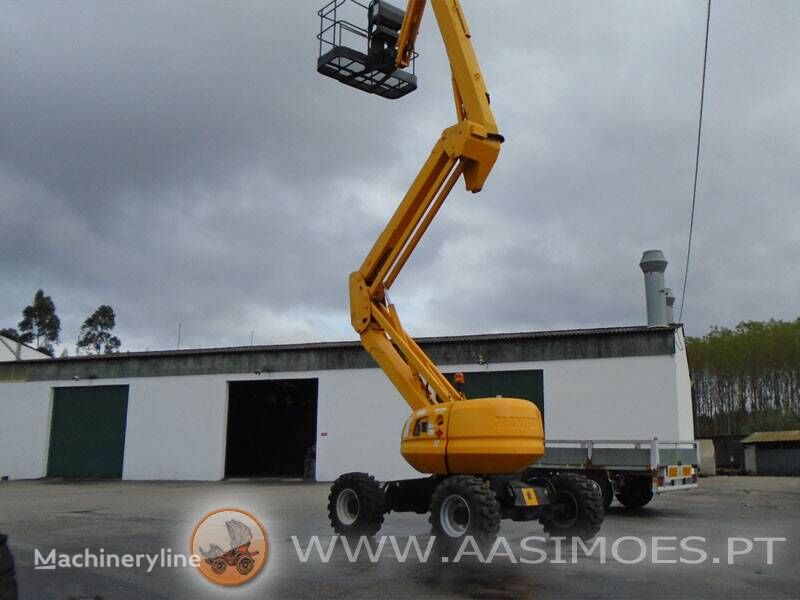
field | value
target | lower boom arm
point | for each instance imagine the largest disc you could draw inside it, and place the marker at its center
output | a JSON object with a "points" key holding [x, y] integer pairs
{"points": [[461, 147], [468, 148]]}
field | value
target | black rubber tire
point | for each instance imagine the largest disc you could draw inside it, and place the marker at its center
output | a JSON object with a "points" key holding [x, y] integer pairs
{"points": [[482, 520], [635, 492], [368, 511], [584, 503], [8, 581], [606, 487]]}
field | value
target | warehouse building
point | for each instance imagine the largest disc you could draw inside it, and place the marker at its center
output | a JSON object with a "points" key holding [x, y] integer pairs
{"points": [[772, 453], [260, 411]]}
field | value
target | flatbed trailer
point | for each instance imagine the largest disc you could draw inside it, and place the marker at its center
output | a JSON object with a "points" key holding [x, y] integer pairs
{"points": [[633, 471]]}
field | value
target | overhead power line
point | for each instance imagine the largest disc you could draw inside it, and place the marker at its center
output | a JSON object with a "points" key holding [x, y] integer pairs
{"points": [[696, 164]]}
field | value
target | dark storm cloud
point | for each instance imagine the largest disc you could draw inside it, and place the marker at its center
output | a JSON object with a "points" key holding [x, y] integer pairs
{"points": [[185, 163]]}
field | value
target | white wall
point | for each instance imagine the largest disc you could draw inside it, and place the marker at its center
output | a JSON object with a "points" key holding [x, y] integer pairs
{"points": [[608, 398], [24, 429], [176, 426], [683, 391], [363, 415], [614, 398]]}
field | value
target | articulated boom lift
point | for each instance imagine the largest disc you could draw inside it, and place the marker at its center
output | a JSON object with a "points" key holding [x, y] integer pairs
{"points": [[473, 448]]}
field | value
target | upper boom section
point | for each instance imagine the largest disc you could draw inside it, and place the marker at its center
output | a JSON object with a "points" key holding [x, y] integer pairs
{"points": [[469, 148], [408, 33], [468, 86], [469, 89]]}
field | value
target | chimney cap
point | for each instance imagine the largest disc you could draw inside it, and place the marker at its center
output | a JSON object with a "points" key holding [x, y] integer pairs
{"points": [[653, 261]]}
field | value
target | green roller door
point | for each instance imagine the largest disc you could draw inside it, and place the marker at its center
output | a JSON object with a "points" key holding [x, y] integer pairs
{"points": [[526, 384], [87, 431]]}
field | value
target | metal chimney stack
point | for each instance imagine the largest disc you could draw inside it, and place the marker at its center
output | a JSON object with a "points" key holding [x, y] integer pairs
{"points": [[653, 265], [670, 305]]}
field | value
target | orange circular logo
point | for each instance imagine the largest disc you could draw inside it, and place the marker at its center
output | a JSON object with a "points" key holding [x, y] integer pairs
{"points": [[232, 546]]}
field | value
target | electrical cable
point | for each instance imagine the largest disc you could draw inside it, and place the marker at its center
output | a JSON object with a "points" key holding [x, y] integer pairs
{"points": [[696, 164]]}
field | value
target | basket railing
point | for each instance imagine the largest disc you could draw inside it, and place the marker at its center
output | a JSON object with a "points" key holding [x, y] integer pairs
{"points": [[335, 28]]}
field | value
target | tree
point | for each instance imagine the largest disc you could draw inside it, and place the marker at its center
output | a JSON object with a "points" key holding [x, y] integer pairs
{"points": [[40, 326], [95, 336], [746, 378], [10, 333]]}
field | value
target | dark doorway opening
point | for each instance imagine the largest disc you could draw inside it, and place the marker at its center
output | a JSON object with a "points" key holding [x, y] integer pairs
{"points": [[272, 426]]}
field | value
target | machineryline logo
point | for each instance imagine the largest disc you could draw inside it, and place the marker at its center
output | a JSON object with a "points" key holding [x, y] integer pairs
{"points": [[228, 547]]}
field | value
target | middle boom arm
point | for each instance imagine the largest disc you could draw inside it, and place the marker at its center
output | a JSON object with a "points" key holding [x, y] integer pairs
{"points": [[469, 148]]}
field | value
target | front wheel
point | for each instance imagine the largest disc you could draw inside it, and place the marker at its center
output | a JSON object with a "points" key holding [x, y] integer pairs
{"points": [[464, 506], [576, 510], [356, 505]]}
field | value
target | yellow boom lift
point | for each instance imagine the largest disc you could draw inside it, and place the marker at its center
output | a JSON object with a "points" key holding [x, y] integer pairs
{"points": [[475, 450]]}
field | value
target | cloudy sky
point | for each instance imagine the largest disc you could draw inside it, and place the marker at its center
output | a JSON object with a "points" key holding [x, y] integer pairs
{"points": [[184, 163]]}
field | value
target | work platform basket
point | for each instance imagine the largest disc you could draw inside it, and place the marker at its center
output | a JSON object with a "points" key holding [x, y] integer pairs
{"points": [[363, 57]]}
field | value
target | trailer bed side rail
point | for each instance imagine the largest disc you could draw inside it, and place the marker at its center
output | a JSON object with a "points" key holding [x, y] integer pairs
{"points": [[635, 455]]}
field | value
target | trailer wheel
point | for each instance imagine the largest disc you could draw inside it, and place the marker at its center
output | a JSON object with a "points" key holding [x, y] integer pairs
{"points": [[8, 582], [577, 507], [464, 506], [606, 488], [635, 491], [356, 505]]}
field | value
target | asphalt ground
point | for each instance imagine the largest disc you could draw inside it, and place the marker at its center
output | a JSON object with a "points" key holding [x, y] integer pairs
{"points": [[657, 552]]}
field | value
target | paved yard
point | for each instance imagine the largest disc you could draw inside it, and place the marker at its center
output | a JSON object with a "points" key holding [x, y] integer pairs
{"points": [[131, 518]]}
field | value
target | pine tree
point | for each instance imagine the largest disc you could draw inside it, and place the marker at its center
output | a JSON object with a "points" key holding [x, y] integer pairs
{"points": [[39, 325], [95, 336]]}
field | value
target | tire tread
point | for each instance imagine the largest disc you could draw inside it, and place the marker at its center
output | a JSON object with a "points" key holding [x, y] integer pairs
{"points": [[372, 504], [590, 507]]}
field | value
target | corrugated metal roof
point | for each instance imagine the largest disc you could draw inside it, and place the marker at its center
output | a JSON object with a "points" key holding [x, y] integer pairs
{"points": [[772, 436], [484, 337]]}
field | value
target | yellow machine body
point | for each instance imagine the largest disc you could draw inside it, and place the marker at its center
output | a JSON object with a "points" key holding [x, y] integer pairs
{"points": [[482, 435]]}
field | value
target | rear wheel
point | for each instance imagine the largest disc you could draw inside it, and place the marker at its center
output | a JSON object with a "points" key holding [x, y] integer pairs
{"points": [[356, 505], [635, 491], [606, 488], [576, 509], [464, 506]]}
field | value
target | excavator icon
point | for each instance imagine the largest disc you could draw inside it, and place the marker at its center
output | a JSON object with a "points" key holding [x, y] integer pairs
{"points": [[239, 555]]}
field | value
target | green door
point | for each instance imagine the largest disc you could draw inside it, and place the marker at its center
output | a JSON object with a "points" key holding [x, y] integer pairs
{"points": [[87, 431], [528, 385]]}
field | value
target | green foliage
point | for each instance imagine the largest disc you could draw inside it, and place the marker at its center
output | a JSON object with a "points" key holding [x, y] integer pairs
{"points": [[10, 333], [747, 378], [39, 325], [95, 336], [772, 420]]}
